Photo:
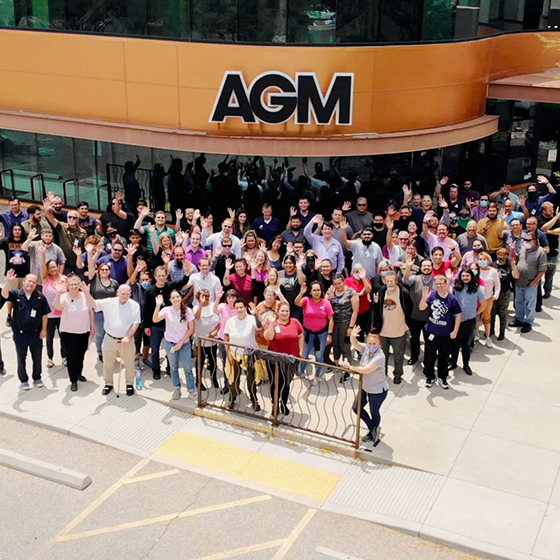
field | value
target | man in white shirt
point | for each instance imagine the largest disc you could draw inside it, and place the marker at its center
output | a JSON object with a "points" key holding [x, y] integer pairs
{"points": [[203, 280], [365, 251], [215, 240], [121, 320]]}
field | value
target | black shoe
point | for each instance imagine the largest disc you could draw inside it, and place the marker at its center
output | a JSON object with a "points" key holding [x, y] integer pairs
{"points": [[345, 378], [467, 369], [73, 386], [451, 366], [256, 407], [224, 391], [107, 389], [2, 370], [538, 309], [100, 358], [429, 383], [526, 328], [368, 437], [9, 321], [129, 390], [443, 384], [411, 362], [215, 383], [546, 296], [397, 380], [501, 336], [82, 379], [515, 323], [203, 387], [157, 375], [231, 404]]}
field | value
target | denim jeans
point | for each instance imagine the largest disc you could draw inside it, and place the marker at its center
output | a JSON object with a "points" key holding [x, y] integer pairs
{"points": [[525, 304], [33, 343], [309, 347], [373, 419], [549, 274], [99, 322], [184, 353]]}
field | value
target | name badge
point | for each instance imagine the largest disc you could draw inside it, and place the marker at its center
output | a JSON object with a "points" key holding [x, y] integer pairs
{"points": [[277, 329], [33, 313]]}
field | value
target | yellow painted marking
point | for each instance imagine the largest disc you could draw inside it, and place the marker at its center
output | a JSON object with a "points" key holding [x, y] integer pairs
{"points": [[151, 476], [89, 510], [241, 551], [283, 550], [162, 518], [251, 466]]}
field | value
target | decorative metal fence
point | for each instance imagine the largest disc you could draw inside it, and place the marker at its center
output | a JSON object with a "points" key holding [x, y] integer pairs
{"points": [[281, 389]]}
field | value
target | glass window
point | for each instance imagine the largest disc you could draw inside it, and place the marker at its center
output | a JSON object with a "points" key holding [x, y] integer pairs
{"points": [[19, 153], [214, 20], [310, 21], [169, 18], [439, 18], [127, 17], [358, 21], [401, 20], [262, 21]]}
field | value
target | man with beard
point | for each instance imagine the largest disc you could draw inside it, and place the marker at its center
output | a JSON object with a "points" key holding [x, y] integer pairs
{"points": [[379, 229], [534, 201], [294, 232], [360, 218], [365, 251], [493, 229]]}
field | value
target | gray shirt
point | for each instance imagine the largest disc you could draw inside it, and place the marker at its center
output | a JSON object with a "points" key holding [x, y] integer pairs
{"points": [[53, 253], [416, 283], [530, 263], [369, 257], [465, 243], [359, 221]]}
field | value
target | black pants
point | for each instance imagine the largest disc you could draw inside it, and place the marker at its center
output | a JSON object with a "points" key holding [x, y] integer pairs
{"points": [[31, 342], [373, 419], [79, 344], [363, 321], [53, 325], [283, 387], [416, 328], [437, 348], [210, 352], [463, 341]]}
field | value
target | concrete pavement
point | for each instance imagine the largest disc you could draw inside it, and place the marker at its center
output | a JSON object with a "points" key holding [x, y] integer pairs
{"points": [[483, 458]]}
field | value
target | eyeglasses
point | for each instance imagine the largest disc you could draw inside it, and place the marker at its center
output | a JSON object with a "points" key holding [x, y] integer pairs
{"points": [[104, 270], [117, 250]]}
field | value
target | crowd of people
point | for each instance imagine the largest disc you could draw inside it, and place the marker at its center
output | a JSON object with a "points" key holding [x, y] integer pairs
{"points": [[311, 267]]}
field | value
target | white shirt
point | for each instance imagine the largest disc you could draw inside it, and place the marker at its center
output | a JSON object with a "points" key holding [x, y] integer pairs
{"points": [[241, 332], [117, 317], [209, 282], [215, 241], [368, 257]]}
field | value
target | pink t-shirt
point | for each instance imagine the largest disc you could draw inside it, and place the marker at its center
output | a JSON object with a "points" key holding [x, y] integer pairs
{"points": [[175, 329], [315, 314], [49, 291], [225, 312], [75, 314]]}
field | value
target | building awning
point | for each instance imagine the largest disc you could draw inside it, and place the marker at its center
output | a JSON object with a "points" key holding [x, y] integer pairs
{"points": [[542, 87]]}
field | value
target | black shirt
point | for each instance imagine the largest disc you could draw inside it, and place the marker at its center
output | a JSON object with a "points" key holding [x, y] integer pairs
{"points": [[28, 312], [150, 299], [552, 239]]}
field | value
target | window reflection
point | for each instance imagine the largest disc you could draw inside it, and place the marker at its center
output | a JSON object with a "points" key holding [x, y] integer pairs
{"points": [[311, 22]]}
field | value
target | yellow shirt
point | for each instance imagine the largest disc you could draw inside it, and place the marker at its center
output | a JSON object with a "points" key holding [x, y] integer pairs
{"points": [[493, 233]]}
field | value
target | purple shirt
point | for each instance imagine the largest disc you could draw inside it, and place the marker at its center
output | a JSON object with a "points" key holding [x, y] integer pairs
{"points": [[195, 256]]}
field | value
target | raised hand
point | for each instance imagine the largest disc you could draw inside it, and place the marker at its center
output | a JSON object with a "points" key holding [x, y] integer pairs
{"points": [[33, 233], [252, 308], [84, 287], [376, 297], [187, 267], [159, 300], [442, 202], [346, 206], [293, 211], [443, 181], [542, 179], [131, 249], [343, 222], [450, 244], [356, 331], [425, 292], [145, 211], [77, 250], [196, 215], [178, 213], [219, 294], [389, 223], [118, 196], [203, 223], [289, 247], [11, 274], [406, 190], [231, 213], [151, 228], [303, 289], [521, 200], [229, 264]]}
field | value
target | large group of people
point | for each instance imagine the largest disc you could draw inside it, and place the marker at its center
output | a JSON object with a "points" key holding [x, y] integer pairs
{"points": [[315, 267]]}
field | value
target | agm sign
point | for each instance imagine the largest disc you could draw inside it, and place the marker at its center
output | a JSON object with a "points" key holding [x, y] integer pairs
{"points": [[286, 97]]}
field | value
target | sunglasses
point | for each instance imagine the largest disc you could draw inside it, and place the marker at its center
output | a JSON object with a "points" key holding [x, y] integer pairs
{"points": [[362, 204], [226, 246], [72, 217], [117, 250]]}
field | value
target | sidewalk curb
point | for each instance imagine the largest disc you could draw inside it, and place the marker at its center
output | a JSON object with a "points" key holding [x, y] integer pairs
{"points": [[45, 470]]}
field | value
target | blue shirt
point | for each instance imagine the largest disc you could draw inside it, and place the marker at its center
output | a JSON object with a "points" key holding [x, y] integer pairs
{"points": [[118, 268], [266, 231], [468, 302], [441, 320], [8, 219], [534, 206]]}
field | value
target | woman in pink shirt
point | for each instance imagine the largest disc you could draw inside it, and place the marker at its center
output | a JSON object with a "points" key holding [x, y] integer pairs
{"points": [[53, 284], [76, 327], [318, 323]]}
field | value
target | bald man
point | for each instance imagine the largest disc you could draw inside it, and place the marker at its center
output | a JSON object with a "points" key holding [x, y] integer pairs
{"points": [[121, 320]]}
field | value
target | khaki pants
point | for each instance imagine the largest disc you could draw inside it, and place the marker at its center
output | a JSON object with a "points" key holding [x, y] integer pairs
{"points": [[110, 349]]}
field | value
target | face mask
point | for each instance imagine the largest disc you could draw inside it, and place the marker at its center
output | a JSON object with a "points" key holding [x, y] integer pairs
{"points": [[145, 285], [478, 250], [502, 259], [378, 227], [385, 272], [483, 203], [528, 245], [367, 243], [475, 272], [482, 263], [533, 195], [372, 348], [464, 214]]}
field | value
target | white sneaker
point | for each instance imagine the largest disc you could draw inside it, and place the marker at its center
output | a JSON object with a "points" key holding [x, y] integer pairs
{"points": [[489, 343], [176, 394]]}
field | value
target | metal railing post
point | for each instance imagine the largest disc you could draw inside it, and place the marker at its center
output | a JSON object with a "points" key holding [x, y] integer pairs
{"points": [[108, 168], [358, 411], [276, 391], [9, 172], [199, 370]]}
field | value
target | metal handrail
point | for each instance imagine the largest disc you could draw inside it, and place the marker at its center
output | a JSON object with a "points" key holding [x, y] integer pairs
{"points": [[9, 172], [32, 181], [64, 194], [312, 410]]}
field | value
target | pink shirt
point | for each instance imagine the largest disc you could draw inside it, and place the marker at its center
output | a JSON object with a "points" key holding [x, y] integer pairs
{"points": [[75, 314], [175, 329], [225, 312], [50, 292], [315, 314]]}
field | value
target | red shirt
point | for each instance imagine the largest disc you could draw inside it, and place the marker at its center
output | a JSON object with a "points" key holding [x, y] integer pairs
{"points": [[445, 265], [243, 286], [286, 341], [358, 286]]}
